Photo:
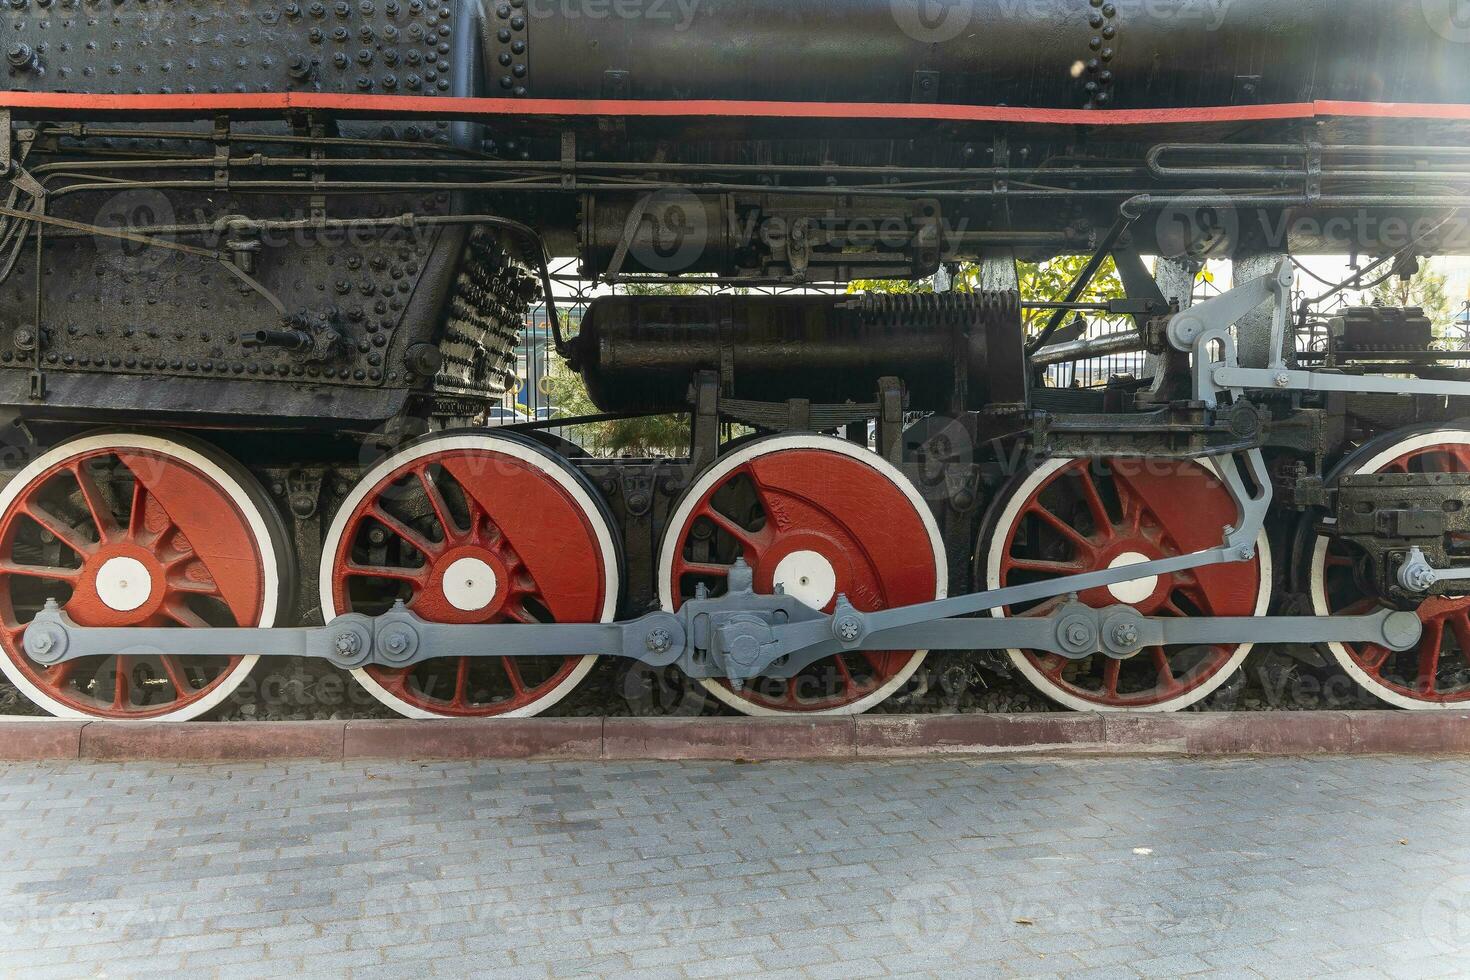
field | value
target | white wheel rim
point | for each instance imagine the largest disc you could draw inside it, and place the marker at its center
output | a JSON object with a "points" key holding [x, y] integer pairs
{"points": [[475, 442], [271, 581], [764, 447], [1318, 575], [995, 554]]}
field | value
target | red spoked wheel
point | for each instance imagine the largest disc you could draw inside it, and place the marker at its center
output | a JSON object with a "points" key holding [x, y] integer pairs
{"points": [[1072, 516], [473, 527], [820, 517], [1436, 673], [130, 529]]}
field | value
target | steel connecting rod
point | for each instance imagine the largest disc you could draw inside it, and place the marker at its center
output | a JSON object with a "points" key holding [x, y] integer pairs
{"points": [[739, 636]]}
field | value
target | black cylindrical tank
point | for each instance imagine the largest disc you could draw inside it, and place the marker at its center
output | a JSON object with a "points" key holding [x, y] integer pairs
{"points": [[640, 353], [1043, 53]]}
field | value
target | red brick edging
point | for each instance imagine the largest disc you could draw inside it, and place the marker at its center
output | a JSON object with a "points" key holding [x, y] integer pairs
{"points": [[755, 739]]}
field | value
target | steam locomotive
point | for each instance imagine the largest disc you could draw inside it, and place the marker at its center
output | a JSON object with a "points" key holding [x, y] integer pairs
{"points": [[264, 265]]}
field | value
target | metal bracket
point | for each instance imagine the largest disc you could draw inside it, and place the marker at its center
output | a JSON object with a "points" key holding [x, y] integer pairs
{"points": [[1204, 331], [1416, 575]]}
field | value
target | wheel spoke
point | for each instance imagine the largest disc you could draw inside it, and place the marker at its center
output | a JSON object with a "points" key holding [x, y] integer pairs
{"points": [[61, 530], [49, 572], [175, 672], [1102, 522], [1372, 657], [419, 542], [102, 515], [1459, 624], [179, 583], [513, 672], [683, 568], [399, 574], [849, 683], [1085, 545], [58, 676], [1172, 608], [1362, 607], [1056, 568], [461, 683], [1111, 669], [440, 506], [120, 692], [1429, 647], [752, 542], [137, 515], [1164, 669], [518, 613], [183, 615]]}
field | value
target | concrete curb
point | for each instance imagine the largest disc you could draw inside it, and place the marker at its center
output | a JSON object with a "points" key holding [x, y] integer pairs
{"points": [[753, 739]]}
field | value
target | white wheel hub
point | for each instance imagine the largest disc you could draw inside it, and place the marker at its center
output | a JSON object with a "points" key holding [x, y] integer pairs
{"points": [[470, 584], [1137, 590], [808, 578], [123, 583]]}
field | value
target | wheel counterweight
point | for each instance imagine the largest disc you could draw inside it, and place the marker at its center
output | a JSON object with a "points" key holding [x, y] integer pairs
{"points": [[1068, 517], [817, 517], [131, 529], [473, 528], [1435, 674]]}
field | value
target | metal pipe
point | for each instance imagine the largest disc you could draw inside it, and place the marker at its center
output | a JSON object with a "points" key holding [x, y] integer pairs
{"points": [[1134, 207], [1213, 173], [1082, 350], [1084, 278]]}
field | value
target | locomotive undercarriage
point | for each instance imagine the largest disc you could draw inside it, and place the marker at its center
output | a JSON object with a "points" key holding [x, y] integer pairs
{"points": [[1126, 544]]}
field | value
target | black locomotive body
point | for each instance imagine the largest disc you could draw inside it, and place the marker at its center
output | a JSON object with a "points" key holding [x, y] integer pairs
{"points": [[264, 266]]}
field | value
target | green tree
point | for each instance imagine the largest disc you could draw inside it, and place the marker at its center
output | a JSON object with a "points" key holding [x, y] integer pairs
{"points": [[654, 435], [1424, 289]]}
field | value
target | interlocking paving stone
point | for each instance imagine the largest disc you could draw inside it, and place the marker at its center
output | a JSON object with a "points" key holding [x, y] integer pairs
{"points": [[1127, 868]]}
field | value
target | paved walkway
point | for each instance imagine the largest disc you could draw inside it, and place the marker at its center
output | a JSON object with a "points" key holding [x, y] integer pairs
{"points": [[1080, 868]]}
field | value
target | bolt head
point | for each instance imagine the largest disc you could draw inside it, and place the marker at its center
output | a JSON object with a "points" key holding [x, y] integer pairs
{"points": [[348, 644], [42, 642], [395, 642], [1077, 634]]}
